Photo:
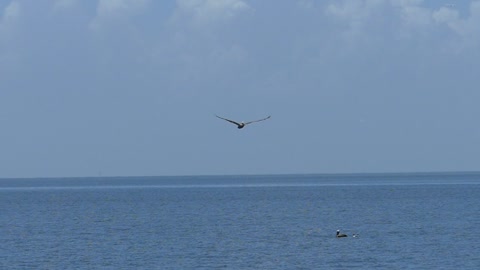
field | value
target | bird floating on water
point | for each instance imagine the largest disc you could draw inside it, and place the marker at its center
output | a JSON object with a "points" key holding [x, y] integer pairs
{"points": [[243, 124], [340, 234]]}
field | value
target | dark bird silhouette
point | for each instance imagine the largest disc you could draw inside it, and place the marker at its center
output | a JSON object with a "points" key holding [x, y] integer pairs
{"points": [[242, 124], [340, 234]]}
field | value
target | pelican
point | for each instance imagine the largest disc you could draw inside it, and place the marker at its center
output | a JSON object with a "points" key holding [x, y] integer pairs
{"points": [[340, 234], [242, 124]]}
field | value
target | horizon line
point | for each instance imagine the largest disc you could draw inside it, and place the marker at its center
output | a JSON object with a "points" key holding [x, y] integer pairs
{"points": [[419, 173]]}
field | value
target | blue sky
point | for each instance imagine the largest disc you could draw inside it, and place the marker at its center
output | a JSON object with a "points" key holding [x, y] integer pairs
{"points": [[130, 87]]}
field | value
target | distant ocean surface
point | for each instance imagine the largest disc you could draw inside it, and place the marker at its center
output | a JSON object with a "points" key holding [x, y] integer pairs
{"points": [[403, 221]]}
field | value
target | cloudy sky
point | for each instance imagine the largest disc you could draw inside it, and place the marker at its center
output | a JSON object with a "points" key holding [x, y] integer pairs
{"points": [[130, 87]]}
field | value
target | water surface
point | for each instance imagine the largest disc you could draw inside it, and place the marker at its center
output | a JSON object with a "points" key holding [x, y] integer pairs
{"points": [[403, 221]]}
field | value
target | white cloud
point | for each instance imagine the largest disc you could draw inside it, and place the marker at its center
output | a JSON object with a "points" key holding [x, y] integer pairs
{"points": [[11, 12], [470, 27], [404, 3], [349, 10], [416, 16], [9, 16], [407, 19], [445, 15], [306, 4], [111, 10], [64, 4], [210, 11], [8, 56], [356, 14]]}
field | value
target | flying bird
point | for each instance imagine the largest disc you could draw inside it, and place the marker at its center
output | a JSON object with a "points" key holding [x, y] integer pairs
{"points": [[242, 124]]}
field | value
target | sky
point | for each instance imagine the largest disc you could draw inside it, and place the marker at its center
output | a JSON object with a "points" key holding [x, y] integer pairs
{"points": [[131, 87]]}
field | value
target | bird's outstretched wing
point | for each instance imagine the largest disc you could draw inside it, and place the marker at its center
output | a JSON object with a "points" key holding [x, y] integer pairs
{"points": [[258, 120], [231, 121]]}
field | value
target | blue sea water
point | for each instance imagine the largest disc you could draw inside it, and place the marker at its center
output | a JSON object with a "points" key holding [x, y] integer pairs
{"points": [[403, 221]]}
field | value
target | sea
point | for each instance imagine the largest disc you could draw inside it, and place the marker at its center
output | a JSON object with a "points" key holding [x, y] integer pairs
{"points": [[393, 221]]}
